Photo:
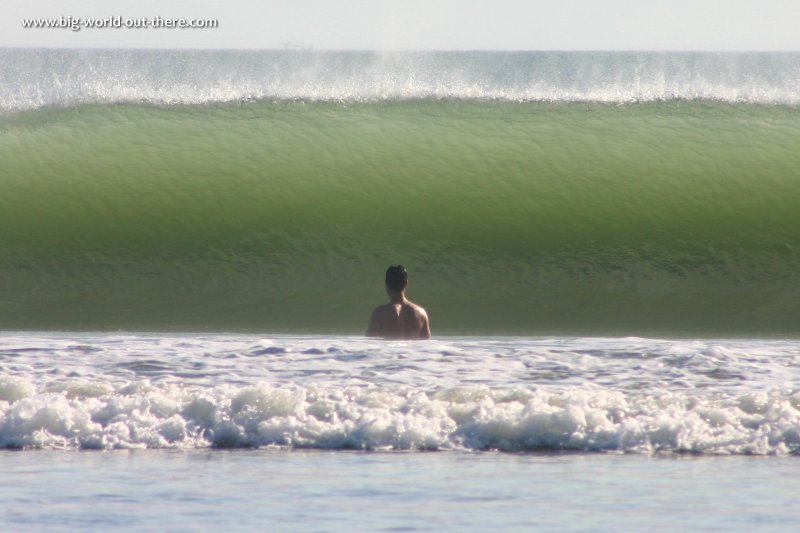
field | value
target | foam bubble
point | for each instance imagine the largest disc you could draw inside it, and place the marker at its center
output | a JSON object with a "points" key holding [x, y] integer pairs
{"points": [[12, 389]]}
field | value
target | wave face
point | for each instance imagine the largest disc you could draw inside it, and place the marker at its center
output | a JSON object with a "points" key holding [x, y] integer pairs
{"points": [[665, 217]]}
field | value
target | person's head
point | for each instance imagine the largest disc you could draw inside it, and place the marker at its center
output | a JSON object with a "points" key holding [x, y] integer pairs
{"points": [[396, 278]]}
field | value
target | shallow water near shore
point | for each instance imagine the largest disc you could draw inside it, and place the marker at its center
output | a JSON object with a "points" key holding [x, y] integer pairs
{"points": [[178, 490], [190, 432]]}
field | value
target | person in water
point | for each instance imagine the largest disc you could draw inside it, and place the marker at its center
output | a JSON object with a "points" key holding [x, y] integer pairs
{"points": [[400, 318]]}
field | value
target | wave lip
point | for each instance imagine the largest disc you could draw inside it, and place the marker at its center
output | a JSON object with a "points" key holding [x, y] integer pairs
{"points": [[34, 78]]}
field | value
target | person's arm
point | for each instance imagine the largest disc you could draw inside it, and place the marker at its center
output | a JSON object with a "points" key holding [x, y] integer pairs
{"points": [[425, 330]]}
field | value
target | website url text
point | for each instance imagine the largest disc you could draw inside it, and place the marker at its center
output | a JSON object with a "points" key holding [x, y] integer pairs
{"points": [[78, 23]]}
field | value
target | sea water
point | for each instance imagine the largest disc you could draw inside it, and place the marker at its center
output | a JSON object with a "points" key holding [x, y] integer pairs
{"points": [[245, 490], [319, 433], [607, 243], [527, 193]]}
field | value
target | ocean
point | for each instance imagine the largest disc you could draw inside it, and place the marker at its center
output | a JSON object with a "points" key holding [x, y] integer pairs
{"points": [[191, 242]]}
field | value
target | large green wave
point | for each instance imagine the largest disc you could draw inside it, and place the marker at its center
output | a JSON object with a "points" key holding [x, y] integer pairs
{"points": [[674, 218]]}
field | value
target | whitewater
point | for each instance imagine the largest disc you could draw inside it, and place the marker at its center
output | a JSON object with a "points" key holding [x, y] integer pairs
{"points": [[191, 243], [303, 433], [511, 394]]}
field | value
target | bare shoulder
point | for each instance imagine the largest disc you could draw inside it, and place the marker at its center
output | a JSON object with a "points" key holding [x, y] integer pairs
{"points": [[421, 319], [418, 309]]}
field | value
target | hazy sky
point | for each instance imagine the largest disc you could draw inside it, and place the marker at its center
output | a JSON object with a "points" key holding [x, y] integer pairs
{"points": [[423, 24]]}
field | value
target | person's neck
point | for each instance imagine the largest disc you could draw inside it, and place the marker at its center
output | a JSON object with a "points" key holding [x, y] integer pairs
{"points": [[396, 297]]}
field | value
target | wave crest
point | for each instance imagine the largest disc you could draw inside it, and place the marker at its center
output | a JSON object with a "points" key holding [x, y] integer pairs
{"points": [[35, 78]]}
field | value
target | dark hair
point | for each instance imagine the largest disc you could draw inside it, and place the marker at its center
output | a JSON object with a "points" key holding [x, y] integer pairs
{"points": [[396, 277]]}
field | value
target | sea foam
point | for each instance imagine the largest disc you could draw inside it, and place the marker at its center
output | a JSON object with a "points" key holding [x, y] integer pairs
{"points": [[480, 418], [631, 395]]}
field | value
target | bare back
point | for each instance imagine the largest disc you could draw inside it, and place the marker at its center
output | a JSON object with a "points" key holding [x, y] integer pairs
{"points": [[399, 320]]}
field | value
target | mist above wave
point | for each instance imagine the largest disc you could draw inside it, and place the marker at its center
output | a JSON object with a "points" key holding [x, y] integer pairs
{"points": [[32, 78]]}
